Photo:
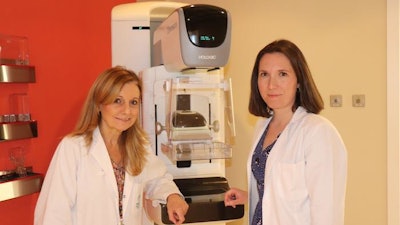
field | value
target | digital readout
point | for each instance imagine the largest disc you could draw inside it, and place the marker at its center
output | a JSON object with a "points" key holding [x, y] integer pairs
{"points": [[207, 38]]}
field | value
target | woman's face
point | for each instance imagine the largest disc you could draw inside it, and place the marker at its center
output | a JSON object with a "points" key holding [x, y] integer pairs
{"points": [[123, 112], [277, 81]]}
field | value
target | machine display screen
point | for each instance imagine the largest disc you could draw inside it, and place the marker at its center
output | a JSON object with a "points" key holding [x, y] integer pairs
{"points": [[207, 38], [207, 25]]}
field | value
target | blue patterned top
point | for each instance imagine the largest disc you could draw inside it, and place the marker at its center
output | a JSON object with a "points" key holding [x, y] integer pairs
{"points": [[258, 162]]}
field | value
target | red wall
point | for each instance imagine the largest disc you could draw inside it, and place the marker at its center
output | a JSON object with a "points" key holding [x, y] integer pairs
{"points": [[70, 44]]}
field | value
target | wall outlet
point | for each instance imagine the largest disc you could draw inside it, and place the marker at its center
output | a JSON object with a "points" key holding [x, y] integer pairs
{"points": [[336, 100], [358, 100]]}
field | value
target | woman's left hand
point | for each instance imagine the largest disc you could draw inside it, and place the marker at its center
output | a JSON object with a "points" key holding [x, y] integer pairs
{"points": [[177, 208]]}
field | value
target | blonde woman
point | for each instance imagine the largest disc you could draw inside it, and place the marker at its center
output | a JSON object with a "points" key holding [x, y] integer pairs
{"points": [[102, 172]]}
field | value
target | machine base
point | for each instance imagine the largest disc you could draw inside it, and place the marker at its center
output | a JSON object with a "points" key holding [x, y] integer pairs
{"points": [[205, 197]]}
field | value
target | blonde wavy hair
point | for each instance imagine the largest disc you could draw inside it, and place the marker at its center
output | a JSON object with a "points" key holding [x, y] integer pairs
{"points": [[105, 90]]}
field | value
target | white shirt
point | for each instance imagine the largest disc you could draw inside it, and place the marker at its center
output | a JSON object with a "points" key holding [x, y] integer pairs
{"points": [[80, 187], [305, 174]]}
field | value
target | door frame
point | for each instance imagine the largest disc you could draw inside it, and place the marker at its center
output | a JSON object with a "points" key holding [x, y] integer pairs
{"points": [[393, 113]]}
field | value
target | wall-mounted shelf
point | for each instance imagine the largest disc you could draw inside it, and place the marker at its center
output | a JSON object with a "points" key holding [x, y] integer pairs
{"points": [[15, 68], [17, 74], [18, 130], [20, 186], [10, 73]]}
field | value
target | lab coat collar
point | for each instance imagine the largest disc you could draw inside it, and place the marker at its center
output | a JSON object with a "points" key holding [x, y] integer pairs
{"points": [[99, 151], [298, 114], [278, 150]]}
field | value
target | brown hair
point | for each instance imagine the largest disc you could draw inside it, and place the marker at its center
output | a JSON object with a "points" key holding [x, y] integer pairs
{"points": [[104, 90], [307, 94]]}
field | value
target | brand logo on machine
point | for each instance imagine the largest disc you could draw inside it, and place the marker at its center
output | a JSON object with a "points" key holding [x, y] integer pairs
{"points": [[211, 57]]}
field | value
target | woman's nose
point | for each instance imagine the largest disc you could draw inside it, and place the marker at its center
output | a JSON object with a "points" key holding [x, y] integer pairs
{"points": [[272, 83], [127, 108]]}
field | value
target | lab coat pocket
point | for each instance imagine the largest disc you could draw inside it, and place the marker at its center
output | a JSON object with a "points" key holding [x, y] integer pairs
{"points": [[133, 200], [290, 183]]}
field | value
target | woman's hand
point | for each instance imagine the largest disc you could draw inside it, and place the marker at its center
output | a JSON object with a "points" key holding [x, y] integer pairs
{"points": [[235, 197], [177, 208]]}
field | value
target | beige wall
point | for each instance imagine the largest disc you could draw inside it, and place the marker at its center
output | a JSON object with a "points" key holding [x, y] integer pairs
{"points": [[345, 44]]}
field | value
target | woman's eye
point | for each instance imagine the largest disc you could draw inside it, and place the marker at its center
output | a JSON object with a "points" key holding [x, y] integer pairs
{"points": [[118, 100], [134, 102], [283, 74], [262, 74]]}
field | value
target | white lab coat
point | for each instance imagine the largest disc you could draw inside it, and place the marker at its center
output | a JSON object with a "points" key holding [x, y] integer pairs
{"points": [[80, 187], [306, 172]]}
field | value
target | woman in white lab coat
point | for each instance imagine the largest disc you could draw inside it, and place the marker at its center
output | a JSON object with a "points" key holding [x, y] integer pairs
{"points": [[297, 168], [104, 171]]}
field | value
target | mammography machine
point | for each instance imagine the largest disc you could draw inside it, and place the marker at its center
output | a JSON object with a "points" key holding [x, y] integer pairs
{"points": [[179, 51]]}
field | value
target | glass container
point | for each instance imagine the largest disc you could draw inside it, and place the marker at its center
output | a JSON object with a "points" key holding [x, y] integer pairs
{"points": [[13, 50]]}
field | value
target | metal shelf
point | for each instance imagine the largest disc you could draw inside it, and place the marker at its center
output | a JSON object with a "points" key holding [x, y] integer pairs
{"points": [[18, 130], [20, 186], [15, 186], [10, 73], [17, 74]]}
